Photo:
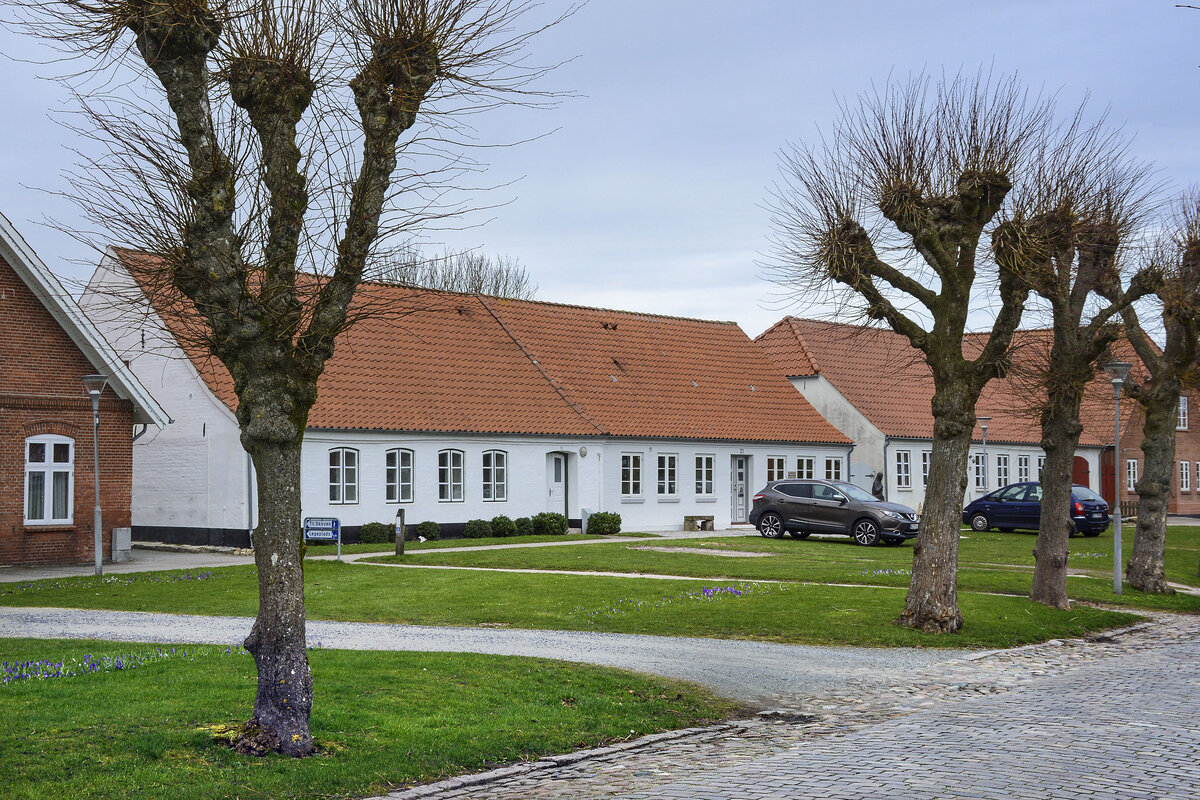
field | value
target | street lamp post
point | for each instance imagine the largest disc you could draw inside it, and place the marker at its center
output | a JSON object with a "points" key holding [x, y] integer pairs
{"points": [[983, 423], [94, 384], [1118, 371]]}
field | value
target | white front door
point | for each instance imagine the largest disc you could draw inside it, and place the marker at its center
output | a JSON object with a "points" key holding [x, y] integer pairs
{"points": [[739, 489], [557, 481]]}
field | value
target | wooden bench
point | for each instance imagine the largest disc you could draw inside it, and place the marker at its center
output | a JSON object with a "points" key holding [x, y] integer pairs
{"points": [[698, 523]]}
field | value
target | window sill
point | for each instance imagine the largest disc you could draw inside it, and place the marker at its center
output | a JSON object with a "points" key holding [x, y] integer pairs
{"points": [[633, 499], [451, 502], [668, 499], [49, 527], [706, 499]]}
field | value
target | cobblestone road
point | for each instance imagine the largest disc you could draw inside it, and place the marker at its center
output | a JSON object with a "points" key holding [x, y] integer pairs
{"points": [[1105, 719]]}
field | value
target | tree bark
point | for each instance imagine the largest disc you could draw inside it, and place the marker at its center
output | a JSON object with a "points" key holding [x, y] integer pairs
{"points": [[1060, 438], [1145, 570], [277, 641], [932, 601]]}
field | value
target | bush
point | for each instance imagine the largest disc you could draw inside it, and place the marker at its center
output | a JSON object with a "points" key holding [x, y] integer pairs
{"points": [[524, 526], [477, 529], [503, 526], [549, 523], [604, 522], [377, 533], [430, 530]]}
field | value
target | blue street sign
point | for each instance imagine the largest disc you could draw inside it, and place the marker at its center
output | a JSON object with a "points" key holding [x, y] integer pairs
{"points": [[323, 529]]}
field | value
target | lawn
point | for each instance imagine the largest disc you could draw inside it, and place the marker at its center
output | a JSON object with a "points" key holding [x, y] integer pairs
{"points": [[799, 613], [382, 719], [323, 549]]}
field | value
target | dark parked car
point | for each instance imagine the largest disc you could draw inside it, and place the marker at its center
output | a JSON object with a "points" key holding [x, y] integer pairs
{"points": [[801, 507], [1019, 505]]}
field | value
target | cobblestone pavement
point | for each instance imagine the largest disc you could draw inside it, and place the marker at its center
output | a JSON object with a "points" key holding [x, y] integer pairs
{"points": [[1108, 718]]}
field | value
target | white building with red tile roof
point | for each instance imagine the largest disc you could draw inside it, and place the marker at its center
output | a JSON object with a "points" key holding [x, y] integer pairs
{"points": [[456, 407]]}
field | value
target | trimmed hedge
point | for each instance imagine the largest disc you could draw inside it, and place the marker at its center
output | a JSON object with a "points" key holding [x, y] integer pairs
{"points": [[524, 526], [430, 530], [377, 533], [604, 523], [549, 523], [477, 529], [503, 526]]}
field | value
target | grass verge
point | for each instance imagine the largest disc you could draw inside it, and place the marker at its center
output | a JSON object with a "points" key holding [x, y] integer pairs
{"points": [[383, 719]]}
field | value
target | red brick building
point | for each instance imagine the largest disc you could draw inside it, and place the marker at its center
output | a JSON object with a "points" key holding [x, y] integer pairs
{"points": [[47, 482]]}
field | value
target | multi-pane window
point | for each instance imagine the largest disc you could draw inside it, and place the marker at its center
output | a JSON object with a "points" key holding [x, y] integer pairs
{"points": [[903, 469], [806, 467], [1022, 469], [775, 468], [926, 460], [398, 476], [704, 475], [450, 476], [1002, 470], [343, 476], [1041, 466], [833, 469], [1131, 475], [668, 464], [49, 475], [631, 474], [1183, 414], [979, 462], [495, 476], [1185, 476]]}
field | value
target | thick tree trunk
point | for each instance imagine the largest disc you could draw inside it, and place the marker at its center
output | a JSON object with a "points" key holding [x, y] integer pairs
{"points": [[277, 640], [1060, 437], [1145, 570], [932, 602]]}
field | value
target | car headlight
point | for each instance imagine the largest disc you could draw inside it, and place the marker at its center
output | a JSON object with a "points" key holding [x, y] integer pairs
{"points": [[893, 514]]}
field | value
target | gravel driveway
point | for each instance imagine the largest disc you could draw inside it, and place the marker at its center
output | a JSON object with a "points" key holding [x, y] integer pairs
{"points": [[753, 672]]}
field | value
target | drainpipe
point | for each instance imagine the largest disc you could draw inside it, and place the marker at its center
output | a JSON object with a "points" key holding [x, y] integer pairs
{"points": [[887, 442], [250, 498]]}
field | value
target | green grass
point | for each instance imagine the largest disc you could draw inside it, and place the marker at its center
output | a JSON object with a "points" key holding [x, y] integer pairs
{"points": [[800, 613], [322, 549], [384, 719]]}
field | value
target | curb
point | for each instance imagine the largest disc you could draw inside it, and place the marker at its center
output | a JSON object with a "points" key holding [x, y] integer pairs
{"points": [[1092, 638], [431, 790]]}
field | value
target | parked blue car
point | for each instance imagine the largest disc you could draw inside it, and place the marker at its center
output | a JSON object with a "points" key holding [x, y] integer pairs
{"points": [[1019, 505]]}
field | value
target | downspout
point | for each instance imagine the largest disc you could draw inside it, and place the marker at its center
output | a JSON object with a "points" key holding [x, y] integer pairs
{"points": [[887, 442], [250, 499]]}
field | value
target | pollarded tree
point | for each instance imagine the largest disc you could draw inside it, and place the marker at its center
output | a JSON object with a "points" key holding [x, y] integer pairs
{"points": [[260, 159], [1069, 238], [1171, 369], [894, 206]]}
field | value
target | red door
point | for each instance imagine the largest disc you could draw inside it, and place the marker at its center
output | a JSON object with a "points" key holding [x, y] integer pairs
{"points": [[1081, 472], [1108, 477]]}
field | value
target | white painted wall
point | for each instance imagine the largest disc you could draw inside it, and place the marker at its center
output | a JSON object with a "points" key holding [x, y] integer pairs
{"points": [[838, 411]]}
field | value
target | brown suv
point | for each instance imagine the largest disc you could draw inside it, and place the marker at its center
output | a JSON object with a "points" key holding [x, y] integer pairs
{"points": [[801, 507]]}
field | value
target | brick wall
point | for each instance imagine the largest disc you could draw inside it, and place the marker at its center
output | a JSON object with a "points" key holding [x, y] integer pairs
{"points": [[1187, 449], [41, 393]]}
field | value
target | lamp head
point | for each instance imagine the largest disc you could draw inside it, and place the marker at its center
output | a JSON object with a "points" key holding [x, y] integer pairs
{"points": [[1118, 371], [94, 384]]}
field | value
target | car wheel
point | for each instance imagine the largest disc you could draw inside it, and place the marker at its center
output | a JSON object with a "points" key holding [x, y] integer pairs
{"points": [[799, 534], [980, 523], [866, 532], [771, 526]]}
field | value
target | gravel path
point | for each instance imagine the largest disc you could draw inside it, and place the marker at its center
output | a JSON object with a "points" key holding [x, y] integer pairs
{"points": [[754, 672]]}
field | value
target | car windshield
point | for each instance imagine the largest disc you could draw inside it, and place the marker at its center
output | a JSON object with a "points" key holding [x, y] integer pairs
{"points": [[1084, 493], [855, 493]]}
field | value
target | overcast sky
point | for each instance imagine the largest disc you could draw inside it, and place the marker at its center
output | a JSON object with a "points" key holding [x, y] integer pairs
{"points": [[649, 194]]}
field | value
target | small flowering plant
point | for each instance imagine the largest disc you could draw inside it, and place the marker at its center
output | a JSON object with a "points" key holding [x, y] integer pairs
{"points": [[18, 671], [114, 580], [705, 594]]}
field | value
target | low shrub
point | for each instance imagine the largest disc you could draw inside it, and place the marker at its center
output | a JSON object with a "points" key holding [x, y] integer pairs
{"points": [[377, 533], [604, 523], [477, 529], [524, 526], [430, 530], [503, 526], [548, 523]]}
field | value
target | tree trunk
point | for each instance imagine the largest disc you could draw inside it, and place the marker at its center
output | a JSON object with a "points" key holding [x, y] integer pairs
{"points": [[1060, 438], [932, 602], [1145, 570], [277, 640]]}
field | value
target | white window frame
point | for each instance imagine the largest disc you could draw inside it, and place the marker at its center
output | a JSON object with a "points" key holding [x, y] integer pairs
{"points": [[48, 469], [1185, 476], [806, 467], [495, 476], [705, 475], [776, 468], [450, 476], [343, 476], [833, 469], [903, 470], [1041, 466], [1131, 475], [668, 474], [1022, 469], [631, 474], [1001, 469], [397, 463], [926, 463], [979, 466], [1182, 424]]}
